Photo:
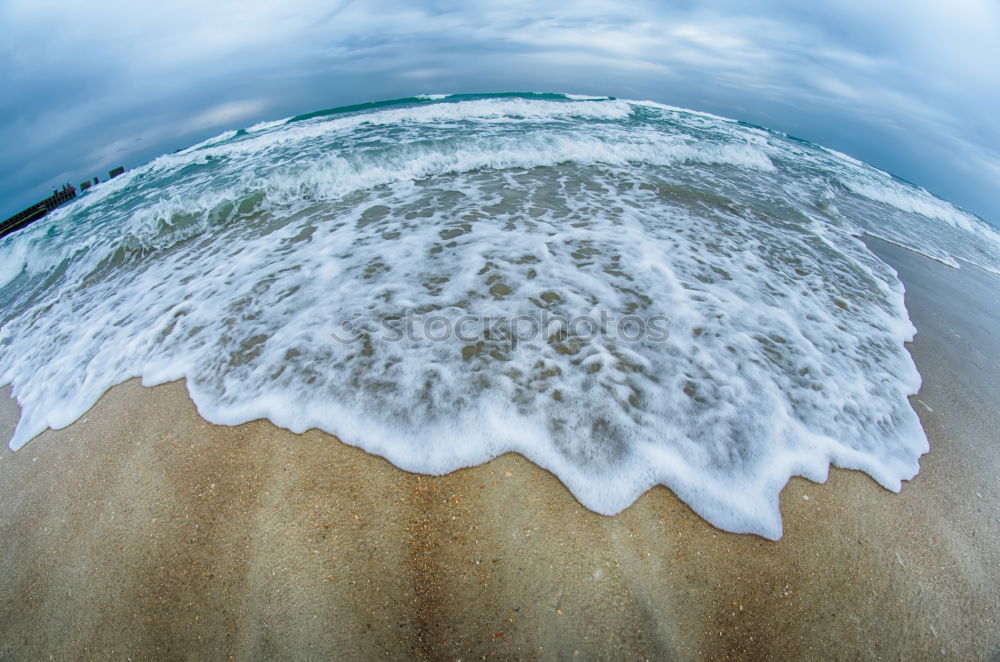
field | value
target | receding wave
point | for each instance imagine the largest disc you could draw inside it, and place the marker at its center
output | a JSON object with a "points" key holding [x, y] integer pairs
{"points": [[628, 294]]}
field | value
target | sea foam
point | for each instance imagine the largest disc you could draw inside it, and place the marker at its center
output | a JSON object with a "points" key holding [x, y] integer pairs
{"points": [[240, 263]]}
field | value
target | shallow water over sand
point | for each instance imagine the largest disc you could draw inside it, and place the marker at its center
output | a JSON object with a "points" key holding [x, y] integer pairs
{"points": [[625, 293]]}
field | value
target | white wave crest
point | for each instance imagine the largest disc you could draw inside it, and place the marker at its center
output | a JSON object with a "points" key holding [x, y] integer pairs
{"points": [[232, 264]]}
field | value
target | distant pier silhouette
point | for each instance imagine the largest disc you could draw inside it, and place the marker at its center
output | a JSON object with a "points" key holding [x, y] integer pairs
{"points": [[59, 197]]}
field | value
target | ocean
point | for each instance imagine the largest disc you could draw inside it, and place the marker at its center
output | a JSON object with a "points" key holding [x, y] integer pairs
{"points": [[626, 293]]}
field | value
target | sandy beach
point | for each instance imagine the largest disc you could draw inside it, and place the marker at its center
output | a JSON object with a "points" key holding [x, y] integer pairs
{"points": [[143, 532]]}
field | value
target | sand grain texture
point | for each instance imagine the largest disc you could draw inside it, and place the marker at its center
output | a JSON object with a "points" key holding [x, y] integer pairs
{"points": [[143, 532]]}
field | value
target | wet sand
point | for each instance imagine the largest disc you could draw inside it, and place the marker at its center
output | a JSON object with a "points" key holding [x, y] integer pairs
{"points": [[143, 532]]}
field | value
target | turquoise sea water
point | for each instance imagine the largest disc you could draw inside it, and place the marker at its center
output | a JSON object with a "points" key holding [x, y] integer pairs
{"points": [[626, 293]]}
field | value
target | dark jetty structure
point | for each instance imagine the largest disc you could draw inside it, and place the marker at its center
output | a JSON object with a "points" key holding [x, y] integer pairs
{"points": [[39, 209], [36, 211]]}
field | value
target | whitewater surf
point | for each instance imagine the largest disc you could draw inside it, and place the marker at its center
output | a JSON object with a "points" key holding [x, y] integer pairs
{"points": [[626, 293]]}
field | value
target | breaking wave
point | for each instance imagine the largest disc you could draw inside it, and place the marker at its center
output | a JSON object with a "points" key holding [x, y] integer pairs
{"points": [[240, 263]]}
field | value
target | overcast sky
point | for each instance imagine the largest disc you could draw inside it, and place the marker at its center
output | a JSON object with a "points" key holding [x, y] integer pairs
{"points": [[911, 86]]}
